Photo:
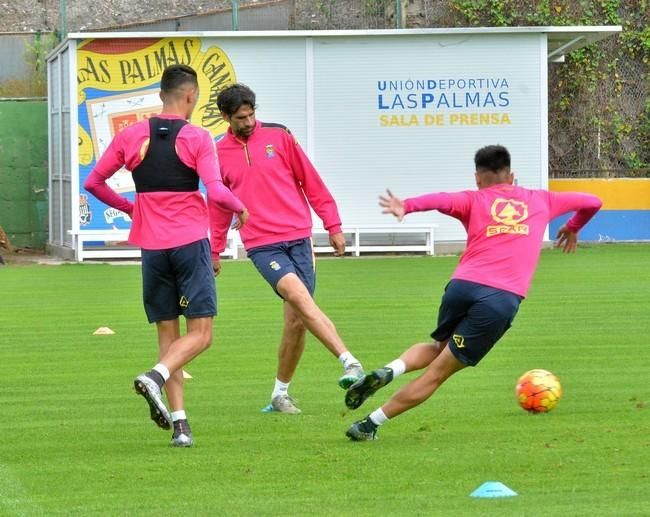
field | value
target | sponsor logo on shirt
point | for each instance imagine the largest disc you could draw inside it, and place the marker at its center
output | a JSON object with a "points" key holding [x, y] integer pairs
{"points": [[509, 215], [270, 151]]}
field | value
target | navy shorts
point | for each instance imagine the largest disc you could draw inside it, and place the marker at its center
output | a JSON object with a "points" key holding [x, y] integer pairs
{"points": [[273, 261], [473, 317], [179, 281]]}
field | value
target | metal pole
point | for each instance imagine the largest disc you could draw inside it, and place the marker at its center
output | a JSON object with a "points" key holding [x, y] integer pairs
{"points": [[398, 14], [235, 14], [63, 19]]}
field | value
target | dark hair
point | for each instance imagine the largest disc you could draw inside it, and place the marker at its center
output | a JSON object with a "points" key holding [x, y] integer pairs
{"points": [[234, 97], [175, 76], [492, 158]]}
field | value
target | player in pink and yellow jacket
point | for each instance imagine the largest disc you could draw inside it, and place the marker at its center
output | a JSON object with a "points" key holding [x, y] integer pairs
{"points": [[265, 167]]}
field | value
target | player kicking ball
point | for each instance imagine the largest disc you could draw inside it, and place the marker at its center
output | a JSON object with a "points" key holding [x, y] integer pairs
{"points": [[267, 169], [505, 228]]}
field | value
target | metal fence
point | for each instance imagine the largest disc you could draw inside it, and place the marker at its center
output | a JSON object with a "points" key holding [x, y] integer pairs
{"points": [[166, 15], [65, 16], [604, 132], [353, 14], [373, 14], [14, 63], [22, 64]]}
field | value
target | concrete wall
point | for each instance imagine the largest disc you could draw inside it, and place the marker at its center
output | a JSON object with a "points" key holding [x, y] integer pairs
{"points": [[625, 215], [271, 15], [23, 172]]}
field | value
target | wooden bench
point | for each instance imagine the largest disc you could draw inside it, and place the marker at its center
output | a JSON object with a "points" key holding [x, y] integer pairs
{"points": [[112, 244], [355, 238]]}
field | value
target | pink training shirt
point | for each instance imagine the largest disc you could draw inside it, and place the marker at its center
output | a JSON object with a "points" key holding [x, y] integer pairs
{"points": [[163, 220], [505, 227], [276, 181]]}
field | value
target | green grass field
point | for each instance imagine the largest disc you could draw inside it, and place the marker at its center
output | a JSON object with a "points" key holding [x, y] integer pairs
{"points": [[77, 441]]}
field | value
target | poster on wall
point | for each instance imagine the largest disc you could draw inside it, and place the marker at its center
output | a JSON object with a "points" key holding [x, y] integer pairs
{"points": [[118, 82]]}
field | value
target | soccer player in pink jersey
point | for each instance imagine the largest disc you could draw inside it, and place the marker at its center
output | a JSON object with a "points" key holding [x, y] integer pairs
{"points": [[167, 157], [266, 168], [505, 227]]}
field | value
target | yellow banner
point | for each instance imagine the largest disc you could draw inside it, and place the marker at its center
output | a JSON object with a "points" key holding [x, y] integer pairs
{"points": [[123, 65], [616, 193]]}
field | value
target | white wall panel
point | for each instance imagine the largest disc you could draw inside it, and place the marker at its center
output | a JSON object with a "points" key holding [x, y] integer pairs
{"points": [[359, 157]]}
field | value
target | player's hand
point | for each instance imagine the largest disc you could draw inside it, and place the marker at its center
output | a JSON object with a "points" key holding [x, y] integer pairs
{"points": [[242, 217], [337, 241], [216, 266], [566, 239], [392, 205]]}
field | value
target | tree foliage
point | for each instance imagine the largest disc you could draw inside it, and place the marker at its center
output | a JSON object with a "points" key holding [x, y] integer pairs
{"points": [[599, 99]]}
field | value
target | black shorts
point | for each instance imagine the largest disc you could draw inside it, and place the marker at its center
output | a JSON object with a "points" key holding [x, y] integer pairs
{"points": [[179, 281], [273, 261], [473, 317]]}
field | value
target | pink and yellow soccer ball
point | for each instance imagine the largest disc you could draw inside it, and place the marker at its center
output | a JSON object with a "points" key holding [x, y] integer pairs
{"points": [[538, 391]]}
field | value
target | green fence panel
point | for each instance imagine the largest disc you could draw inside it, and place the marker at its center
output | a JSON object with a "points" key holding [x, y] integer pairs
{"points": [[23, 172]]}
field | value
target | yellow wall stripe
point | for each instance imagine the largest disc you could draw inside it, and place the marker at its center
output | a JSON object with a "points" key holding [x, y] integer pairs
{"points": [[616, 193]]}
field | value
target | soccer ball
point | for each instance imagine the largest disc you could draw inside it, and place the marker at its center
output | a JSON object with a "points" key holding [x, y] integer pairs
{"points": [[538, 391]]}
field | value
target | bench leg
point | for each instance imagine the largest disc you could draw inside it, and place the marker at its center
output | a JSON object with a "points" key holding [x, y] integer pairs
{"points": [[79, 248]]}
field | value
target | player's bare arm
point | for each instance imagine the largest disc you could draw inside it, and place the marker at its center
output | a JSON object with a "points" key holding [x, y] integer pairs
{"points": [[391, 204]]}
